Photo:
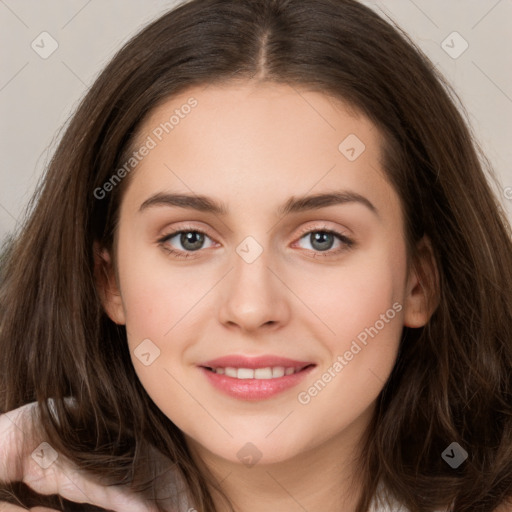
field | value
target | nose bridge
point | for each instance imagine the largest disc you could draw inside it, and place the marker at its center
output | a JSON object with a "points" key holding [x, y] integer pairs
{"points": [[251, 270], [253, 295]]}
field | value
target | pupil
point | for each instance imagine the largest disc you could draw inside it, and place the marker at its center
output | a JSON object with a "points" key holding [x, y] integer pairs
{"points": [[192, 240], [322, 239]]}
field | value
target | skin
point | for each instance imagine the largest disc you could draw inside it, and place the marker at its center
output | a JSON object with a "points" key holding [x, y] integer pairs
{"points": [[19, 440], [225, 305], [253, 147]]}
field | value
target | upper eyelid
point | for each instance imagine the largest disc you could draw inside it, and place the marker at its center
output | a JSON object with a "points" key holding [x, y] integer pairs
{"points": [[173, 232], [309, 229], [302, 233]]}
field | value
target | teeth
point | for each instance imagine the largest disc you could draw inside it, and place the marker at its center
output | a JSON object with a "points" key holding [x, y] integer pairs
{"points": [[245, 373], [263, 373], [230, 372], [278, 371], [258, 373]]}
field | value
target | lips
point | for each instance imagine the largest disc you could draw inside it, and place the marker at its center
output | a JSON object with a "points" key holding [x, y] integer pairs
{"points": [[255, 378], [239, 361]]}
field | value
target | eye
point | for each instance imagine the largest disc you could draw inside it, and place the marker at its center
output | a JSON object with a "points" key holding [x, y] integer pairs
{"points": [[190, 240], [321, 241]]}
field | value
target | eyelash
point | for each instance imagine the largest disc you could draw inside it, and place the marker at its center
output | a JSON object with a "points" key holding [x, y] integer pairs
{"points": [[347, 242]]}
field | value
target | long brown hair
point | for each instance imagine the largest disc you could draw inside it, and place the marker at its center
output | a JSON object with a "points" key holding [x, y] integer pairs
{"points": [[452, 381]]}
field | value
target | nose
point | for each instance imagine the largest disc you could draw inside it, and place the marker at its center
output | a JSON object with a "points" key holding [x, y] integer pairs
{"points": [[253, 296]]}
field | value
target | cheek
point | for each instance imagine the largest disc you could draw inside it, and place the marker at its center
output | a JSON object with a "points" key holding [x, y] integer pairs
{"points": [[161, 303], [157, 294], [362, 306], [349, 298]]}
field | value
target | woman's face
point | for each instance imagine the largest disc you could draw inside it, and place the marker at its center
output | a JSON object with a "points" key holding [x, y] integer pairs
{"points": [[266, 273]]}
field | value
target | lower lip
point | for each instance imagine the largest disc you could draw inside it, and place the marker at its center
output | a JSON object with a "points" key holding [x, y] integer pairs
{"points": [[254, 389]]}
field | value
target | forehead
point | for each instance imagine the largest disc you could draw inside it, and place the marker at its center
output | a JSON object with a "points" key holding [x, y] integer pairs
{"points": [[262, 111], [262, 140]]}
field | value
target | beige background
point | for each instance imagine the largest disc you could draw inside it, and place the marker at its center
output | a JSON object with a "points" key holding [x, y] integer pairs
{"points": [[37, 95]]}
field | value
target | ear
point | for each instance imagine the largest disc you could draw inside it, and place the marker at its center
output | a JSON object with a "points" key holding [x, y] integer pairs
{"points": [[422, 289], [106, 284]]}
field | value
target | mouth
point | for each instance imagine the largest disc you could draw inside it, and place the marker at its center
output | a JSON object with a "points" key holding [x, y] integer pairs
{"points": [[255, 379], [269, 372]]}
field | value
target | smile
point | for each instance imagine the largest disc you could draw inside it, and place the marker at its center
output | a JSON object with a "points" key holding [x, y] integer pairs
{"points": [[275, 372], [256, 378]]}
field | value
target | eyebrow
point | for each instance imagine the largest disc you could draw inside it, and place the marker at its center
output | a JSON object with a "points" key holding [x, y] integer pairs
{"points": [[293, 205]]}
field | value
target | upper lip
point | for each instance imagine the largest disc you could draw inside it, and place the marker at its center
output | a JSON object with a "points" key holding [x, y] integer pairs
{"points": [[240, 361]]}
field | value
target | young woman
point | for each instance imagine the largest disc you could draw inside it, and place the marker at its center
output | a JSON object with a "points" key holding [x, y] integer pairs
{"points": [[265, 270]]}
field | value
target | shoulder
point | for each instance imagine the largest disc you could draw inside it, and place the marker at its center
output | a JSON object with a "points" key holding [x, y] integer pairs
{"points": [[384, 501]]}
